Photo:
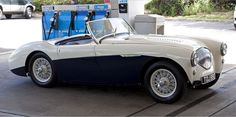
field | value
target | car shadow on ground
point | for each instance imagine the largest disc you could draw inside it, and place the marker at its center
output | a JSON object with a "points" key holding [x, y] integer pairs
{"points": [[119, 91]]}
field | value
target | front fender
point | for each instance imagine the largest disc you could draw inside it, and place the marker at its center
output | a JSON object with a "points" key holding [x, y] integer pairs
{"points": [[215, 48]]}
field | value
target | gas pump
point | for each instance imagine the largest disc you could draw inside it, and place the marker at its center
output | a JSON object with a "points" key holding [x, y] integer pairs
{"points": [[100, 11], [54, 23], [67, 20], [82, 15], [50, 22]]}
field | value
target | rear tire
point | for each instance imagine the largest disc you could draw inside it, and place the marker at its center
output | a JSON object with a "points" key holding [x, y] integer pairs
{"points": [[235, 26], [42, 71], [164, 82], [28, 13], [8, 16], [1, 13]]}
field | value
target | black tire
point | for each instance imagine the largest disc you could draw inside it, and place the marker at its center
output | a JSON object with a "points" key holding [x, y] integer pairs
{"points": [[1, 13], [235, 26], [52, 80], [206, 86], [8, 16], [179, 78], [28, 13]]}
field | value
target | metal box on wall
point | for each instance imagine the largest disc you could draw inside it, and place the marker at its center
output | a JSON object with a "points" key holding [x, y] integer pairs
{"points": [[149, 24]]}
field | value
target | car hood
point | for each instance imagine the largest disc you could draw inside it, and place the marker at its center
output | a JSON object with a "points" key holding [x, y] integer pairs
{"points": [[160, 40]]}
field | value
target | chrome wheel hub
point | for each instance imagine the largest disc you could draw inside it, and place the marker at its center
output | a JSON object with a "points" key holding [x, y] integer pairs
{"points": [[29, 12], [42, 70], [163, 83]]}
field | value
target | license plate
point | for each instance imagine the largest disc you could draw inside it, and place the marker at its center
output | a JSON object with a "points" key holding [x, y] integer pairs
{"points": [[209, 78]]}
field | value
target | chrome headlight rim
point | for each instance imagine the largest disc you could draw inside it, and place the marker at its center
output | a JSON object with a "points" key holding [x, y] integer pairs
{"points": [[196, 58], [223, 49]]}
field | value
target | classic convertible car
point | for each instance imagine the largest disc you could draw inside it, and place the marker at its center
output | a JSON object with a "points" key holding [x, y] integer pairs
{"points": [[112, 53]]}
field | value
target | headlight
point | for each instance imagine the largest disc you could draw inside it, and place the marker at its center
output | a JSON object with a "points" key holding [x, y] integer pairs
{"points": [[202, 57], [223, 49]]}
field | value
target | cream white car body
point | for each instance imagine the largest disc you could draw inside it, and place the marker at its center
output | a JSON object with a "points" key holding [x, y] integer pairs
{"points": [[171, 48], [112, 53], [179, 50]]}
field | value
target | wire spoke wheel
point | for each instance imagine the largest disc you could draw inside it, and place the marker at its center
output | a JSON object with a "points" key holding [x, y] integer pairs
{"points": [[42, 70], [163, 83]]}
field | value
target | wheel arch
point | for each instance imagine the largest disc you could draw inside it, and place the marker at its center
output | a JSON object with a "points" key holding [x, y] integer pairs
{"points": [[32, 8], [29, 57], [155, 60]]}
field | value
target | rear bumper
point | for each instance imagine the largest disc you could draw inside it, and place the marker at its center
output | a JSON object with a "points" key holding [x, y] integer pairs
{"points": [[19, 71]]}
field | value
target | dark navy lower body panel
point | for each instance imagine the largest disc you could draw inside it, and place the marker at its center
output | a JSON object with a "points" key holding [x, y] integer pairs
{"points": [[101, 70]]}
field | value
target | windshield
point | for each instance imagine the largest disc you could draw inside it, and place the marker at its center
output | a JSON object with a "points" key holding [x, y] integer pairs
{"points": [[106, 27]]}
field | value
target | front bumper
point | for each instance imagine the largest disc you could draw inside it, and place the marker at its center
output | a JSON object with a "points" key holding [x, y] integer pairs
{"points": [[202, 81], [19, 71]]}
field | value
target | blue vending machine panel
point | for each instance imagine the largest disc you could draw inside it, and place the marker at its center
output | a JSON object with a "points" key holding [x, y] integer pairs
{"points": [[67, 20], [82, 14], [100, 11], [64, 21], [48, 31]]}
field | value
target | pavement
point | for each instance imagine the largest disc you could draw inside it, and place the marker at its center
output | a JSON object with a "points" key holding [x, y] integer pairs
{"points": [[20, 97]]}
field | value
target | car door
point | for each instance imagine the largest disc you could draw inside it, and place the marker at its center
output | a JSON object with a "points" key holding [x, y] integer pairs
{"points": [[120, 63], [21, 4], [16, 6], [77, 63], [6, 4]]}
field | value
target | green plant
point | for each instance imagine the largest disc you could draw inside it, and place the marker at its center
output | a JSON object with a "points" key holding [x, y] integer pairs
{"points": [[198, 6], [180, 7], [166, 7]]}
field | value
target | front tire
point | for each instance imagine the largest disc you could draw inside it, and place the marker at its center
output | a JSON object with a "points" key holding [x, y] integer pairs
{"points": [[28, 13], [42, 71], [164, 82], [235, 26], [8, 16]]}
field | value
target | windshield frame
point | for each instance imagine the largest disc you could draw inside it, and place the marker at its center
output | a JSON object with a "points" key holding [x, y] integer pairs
{"points": [[97, 40]]}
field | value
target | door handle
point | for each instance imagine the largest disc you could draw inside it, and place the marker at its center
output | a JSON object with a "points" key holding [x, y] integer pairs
{"points": [[130, 55]]}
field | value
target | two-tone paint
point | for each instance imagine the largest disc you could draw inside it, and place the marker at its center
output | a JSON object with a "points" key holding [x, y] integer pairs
{"points": [[118, 60]]}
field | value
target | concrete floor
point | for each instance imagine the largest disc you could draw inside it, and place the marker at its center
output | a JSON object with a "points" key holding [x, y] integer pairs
{"points": [[19, 96]]}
